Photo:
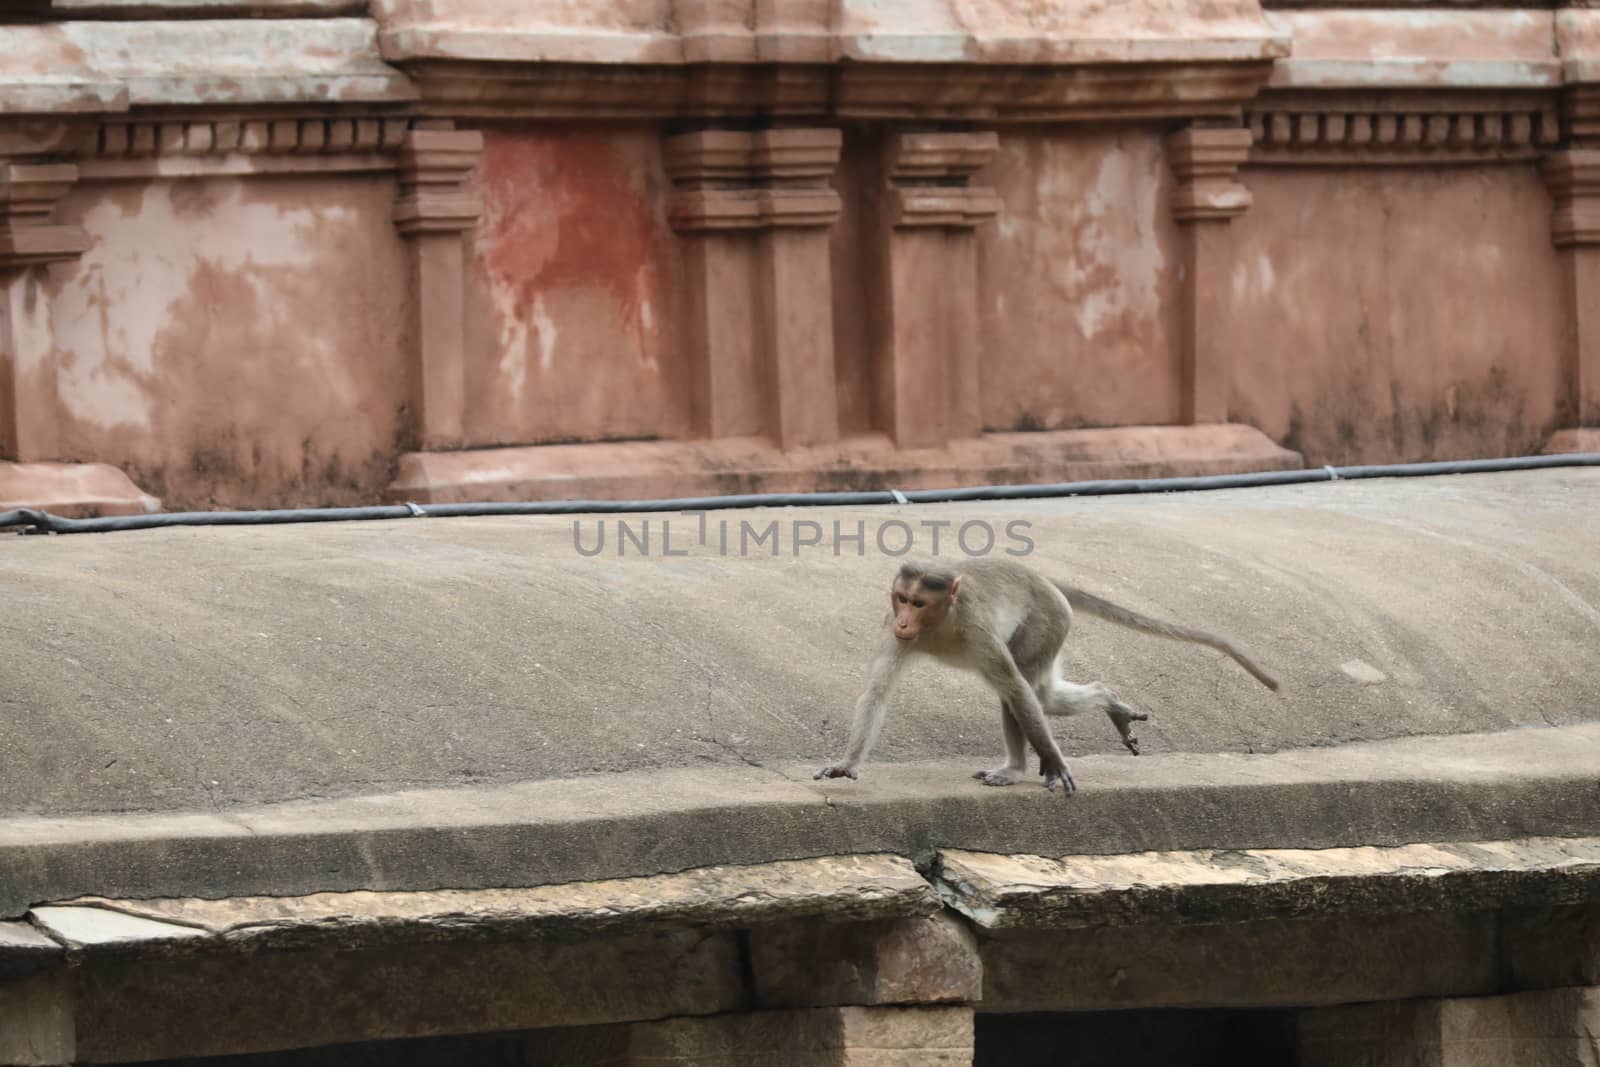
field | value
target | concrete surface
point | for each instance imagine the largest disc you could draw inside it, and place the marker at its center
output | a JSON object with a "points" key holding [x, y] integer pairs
{"points": [[1484, 787], [170, 699], [205, 668]]}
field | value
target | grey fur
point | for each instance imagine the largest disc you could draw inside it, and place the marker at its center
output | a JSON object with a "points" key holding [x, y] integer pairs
{"points": [[1008, 624]]}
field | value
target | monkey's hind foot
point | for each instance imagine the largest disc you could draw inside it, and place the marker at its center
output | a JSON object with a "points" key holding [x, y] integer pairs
{"points": [[1068, 786], [1000, 776], [836, 772], [1123, 717]]}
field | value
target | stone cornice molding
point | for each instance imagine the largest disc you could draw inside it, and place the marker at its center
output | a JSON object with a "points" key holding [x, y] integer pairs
{"points": [[28, 196], [1408, 49], [979, 60], [112, 66], [692, 32], [734, 180], [1573, 178], [1410, 129], [224, 146], [1206, 163], [928, 175]]}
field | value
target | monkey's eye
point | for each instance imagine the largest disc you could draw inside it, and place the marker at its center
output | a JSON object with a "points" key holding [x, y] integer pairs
{"points": [[919, 603]]}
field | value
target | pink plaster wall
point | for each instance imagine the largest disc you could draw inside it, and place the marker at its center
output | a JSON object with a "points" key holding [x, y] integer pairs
{"points": [[235, 342], [1079, 282], [572, 283], [1393, 314]]}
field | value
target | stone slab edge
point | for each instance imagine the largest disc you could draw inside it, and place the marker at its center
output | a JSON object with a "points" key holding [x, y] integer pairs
{"points": [[849, 888], [1211, 887], [73, 490], [1525, 783]]}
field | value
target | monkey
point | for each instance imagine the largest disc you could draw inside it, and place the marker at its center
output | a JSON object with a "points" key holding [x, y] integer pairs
{"points": [[1006, 622]]}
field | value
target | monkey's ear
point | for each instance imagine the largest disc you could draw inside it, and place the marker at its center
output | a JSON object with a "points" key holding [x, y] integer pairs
{"points": [[955, 586]]}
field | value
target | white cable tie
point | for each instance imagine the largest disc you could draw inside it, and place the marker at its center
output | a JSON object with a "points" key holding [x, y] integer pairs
{"points": [[416, 510], [1333, 475], [899, 497]]}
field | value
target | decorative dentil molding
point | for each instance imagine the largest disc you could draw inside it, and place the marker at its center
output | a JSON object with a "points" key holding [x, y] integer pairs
{"points": [[28, 196], [1334, 135], [928, 176], [1206, 162], [204, 147], [735, 180]]}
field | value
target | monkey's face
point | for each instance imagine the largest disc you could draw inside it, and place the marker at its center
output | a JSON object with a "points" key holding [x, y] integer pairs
{"points": [[918, 610]]}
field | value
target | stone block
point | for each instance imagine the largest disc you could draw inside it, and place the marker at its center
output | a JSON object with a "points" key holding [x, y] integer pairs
{"points": [[25, 951], [899, 961], [1253, 964], [827, 1037], [1556, 1028], [230, 1004], [1543, 948], [36, 1027]]}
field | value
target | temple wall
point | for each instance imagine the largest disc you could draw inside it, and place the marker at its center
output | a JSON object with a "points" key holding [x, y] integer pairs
{"points": [[1360, 337], [445, 251], [572, 287], [1080, 286], [234, 342]]}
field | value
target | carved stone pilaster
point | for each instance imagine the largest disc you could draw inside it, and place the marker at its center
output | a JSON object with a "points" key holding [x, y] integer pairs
{"points": [[28, 196], [1206, 162], [435, 208], [926, 322], [929, 172], [1573, 178], [30, 240], [759, 205]]}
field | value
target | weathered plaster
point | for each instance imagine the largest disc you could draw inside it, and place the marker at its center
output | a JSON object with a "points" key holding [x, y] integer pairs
{"points": [[1578, 42], [1417, 49], [261, 369], [1021, 31], [1079, 283], [207, 61], [902, 31], [572, 287], [1357, 338], [127, 9]]}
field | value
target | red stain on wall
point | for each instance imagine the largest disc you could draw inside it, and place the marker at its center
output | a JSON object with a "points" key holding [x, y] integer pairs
{"points": [[564, 210]]}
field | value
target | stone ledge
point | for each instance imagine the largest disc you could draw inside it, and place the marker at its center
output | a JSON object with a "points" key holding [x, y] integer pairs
{"points": [[1208, 887], [936, 31], [25, 951], [78, 490], [1475, 787], [666, 470], [1409, 49], [202, 62], [842, 889], [204, 9]]}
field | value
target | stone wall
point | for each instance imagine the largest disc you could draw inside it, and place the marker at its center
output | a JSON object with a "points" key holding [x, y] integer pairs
{"points": [[261, 253]]}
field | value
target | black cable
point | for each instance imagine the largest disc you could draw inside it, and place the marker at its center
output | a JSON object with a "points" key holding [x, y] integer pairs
{"points": [[36, 521]]}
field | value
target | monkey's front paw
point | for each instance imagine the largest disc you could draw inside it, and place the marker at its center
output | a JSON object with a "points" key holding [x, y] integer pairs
{"points": [[836, 772]]}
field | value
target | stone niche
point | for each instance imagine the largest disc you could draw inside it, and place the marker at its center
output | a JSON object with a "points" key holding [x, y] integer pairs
{"points": [[457, 250]]}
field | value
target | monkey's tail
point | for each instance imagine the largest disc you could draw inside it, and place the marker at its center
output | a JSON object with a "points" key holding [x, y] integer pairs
{"points": [[1133, 620]]}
